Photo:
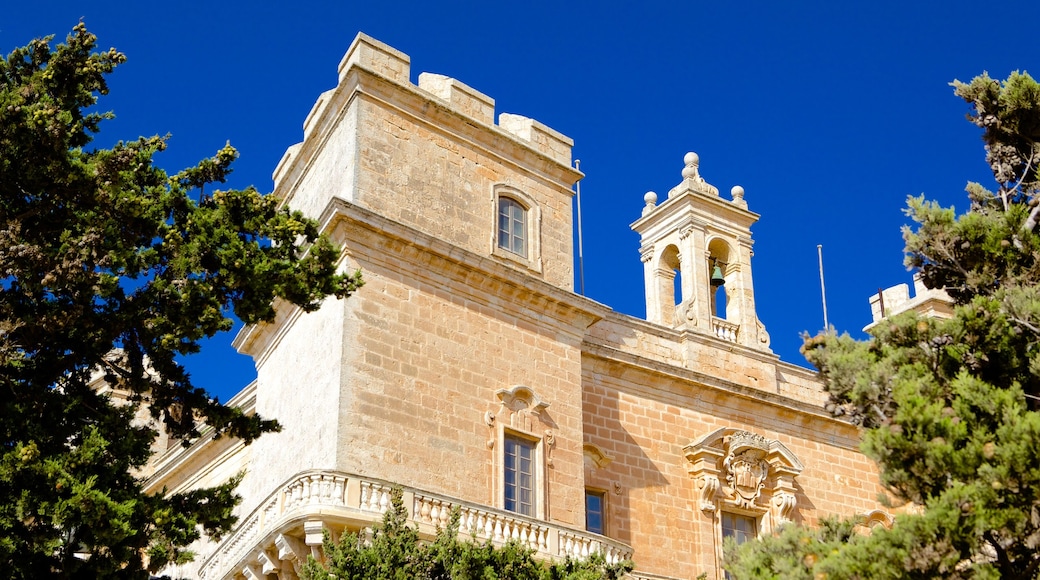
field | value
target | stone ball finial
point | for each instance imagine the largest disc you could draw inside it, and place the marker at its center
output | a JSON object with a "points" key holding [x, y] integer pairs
{"points": [[692, 160], [651, 201], [738, 196]]}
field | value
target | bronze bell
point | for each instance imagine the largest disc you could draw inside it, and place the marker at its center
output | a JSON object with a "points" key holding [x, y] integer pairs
{"points": [[716, 277]]}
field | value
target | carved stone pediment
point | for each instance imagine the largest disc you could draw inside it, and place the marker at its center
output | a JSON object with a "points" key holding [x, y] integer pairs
{"points": [[522, 409], [744, 470], [595, 457]]}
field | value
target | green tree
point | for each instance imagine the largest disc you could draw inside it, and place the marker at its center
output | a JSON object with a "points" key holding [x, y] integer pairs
{"points": [[395, 552], [949, 408], [110, 268]]}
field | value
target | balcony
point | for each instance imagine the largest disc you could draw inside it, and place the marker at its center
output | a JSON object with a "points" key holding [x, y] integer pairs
{"points": [[287, 526]]}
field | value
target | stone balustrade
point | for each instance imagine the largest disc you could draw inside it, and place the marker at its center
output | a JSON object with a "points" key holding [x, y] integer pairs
{"points": [[724, 329], [277, 537], [500, 527], [637, 575]]}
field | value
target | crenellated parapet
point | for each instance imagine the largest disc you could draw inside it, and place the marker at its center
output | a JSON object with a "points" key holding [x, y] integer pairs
{"points": [[430, 155], [383, 61], [930, 302]]}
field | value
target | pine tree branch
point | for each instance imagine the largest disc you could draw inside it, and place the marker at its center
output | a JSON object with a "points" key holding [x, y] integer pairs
{"points": [[1031, 221], [1002, 558]]}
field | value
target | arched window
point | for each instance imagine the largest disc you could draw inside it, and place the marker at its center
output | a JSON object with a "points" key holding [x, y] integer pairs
{"points": [[512, 226]]}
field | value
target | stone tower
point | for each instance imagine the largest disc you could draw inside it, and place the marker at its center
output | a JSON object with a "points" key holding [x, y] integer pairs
{"points": [[682, 242]]}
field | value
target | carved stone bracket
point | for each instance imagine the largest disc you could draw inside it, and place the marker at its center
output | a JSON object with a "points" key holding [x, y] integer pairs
{"points": [[646, 254], [550, 445], [708, 489], [704, 466], [785, 498], [783, 506], [269, 563], [291, 550], [489, 420]]}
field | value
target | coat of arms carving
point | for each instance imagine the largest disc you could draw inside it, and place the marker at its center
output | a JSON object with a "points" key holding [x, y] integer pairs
{"points": [[746, 467]]}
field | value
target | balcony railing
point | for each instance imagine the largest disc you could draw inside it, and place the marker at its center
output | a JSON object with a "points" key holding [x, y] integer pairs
{"points": [[342, 501], [724, 329]]}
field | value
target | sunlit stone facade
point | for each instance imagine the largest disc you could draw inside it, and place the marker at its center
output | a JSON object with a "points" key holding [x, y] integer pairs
{"points": [[468, 339]]}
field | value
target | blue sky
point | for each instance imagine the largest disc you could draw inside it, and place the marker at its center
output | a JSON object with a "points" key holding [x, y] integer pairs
{"points": [[829, 114]]}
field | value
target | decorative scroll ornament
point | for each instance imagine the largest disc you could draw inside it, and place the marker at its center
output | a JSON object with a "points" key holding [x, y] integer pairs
{"points": [[489, 420], [708, 486], [783, 504], [763, 336], [691, 310], [550, 445]]}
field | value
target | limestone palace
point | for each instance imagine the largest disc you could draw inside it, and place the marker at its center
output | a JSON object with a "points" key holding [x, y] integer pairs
{"points": [[469, 373]]}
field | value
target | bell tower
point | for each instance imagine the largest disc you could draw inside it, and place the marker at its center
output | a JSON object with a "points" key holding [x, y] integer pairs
{"points": [[696, 252]]}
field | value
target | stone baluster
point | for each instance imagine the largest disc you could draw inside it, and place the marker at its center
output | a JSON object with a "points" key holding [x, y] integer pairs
{"points": [[498, 530]]}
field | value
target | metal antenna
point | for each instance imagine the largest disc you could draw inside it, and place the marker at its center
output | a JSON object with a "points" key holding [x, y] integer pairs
{"points": [[581, 258], [823, 289]]}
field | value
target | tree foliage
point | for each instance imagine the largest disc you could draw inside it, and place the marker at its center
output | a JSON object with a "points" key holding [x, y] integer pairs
{"points": [[110, 268], [396, 552], [949, 407]]}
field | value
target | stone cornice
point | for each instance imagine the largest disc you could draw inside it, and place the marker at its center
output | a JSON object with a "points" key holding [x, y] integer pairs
{"points": [[202, 451], [487, 281], [781, 404], [693, 208]]}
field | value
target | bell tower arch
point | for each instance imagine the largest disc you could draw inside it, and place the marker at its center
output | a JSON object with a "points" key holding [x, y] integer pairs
{"points": [[701, 244]]}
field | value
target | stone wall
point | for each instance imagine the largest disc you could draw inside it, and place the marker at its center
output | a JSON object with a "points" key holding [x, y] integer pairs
{"points": [[453, 344], [643, 420]]}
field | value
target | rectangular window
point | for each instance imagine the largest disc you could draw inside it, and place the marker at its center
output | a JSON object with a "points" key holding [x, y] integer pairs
{"points": [[594, 511], [740, 528], [512, 226], [519, 476]]}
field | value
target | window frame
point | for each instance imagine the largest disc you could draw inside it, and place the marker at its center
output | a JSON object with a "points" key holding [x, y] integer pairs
{"points": [[758, 521], [539, 474], [602, 497], [515, 467], [531, 228], [754, 519], [514, 229]]}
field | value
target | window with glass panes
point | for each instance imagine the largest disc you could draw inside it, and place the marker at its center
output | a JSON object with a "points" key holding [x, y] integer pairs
{"points": [[739, 527], [519, 475], [594, 511], [512, 226]]}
